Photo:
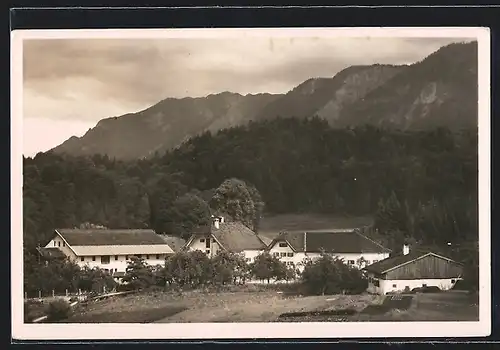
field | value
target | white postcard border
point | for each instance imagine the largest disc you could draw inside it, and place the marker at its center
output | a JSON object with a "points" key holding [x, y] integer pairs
{"points": [[21, 331]]}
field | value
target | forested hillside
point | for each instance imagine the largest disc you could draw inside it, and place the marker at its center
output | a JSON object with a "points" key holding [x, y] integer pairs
{"points": [[420, 184]]}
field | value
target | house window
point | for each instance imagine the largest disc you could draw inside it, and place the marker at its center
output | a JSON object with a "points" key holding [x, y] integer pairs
{"points": [[147, 256], [55, 244], [289, 255], [207, 251], [157, 256], [82, 258], [452, 281], [283, 244], [202, 240], [105, 259], [93, 258], [282, 254], [126, 257], [276, 254], [374, 261], [424, 285], [394, 286], [376, 283], [351, 262], [58, 244], [64, 244], [248, 259], [367, 262], [116, 257], [139, 256]]}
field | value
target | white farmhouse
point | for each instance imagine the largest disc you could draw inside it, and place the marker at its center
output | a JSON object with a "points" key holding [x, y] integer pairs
{"points": [[111, 250], [294, 248], [409, 270], [229, 236]]}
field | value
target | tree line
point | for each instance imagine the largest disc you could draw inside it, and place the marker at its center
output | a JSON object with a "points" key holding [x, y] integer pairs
{"points": [[420, 184], [194, 269]]}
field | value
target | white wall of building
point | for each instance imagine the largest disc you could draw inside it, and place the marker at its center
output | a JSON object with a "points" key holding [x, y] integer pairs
{"points": [[286, 254], [118, 263], [58, 242], [251, 254], [199, 243], [396, 286]]}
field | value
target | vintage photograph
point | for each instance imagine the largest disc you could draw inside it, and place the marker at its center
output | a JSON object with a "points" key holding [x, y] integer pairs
{"points": [[279, 176]]}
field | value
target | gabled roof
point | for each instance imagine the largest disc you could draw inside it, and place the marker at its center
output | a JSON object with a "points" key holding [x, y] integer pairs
{"points": [[176, 243], [342, 241], [386, 265], [294, 239], [236, 237], [265, 240], [101, 237], [272, 225], [334, 241], [51, 253]]}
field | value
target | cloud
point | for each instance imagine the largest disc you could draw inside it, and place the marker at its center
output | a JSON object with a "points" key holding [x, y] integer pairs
{"points": [[85, 80]]}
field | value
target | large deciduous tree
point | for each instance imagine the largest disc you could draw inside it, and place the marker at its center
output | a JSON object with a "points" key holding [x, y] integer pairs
{"points": [[241, 201]]}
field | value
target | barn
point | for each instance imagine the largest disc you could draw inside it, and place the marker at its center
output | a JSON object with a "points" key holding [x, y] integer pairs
{"points": [[410, 270]]}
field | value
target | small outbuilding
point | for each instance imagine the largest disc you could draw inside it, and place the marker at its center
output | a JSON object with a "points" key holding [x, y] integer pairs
{"points": [[410, 270]]}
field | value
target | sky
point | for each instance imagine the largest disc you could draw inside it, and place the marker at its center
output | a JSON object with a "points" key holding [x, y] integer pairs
{"points": [[71, 84]]}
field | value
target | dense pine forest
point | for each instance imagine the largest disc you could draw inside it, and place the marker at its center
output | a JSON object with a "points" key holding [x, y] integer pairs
{"points": [[418, 184]]}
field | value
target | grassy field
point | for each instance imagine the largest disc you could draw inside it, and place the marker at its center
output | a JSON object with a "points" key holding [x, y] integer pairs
{"points": [[271, 306]]}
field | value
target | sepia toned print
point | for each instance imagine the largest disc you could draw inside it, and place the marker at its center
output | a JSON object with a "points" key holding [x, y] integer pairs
{"points": [[291, 179]]}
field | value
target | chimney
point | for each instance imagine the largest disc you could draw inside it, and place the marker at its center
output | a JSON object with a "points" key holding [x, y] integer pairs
{"points": [[305, 242], [406, 249], [216, 223], [221, 219]]}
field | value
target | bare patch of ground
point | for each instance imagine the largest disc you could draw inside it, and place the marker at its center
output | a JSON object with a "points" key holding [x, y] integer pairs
{"points": [[262, 307]]}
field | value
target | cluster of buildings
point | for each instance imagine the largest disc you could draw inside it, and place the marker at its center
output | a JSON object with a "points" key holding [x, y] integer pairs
{"points": [[111, 251]]}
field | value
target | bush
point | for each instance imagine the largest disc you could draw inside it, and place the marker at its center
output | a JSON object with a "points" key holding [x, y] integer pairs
{"points": [[138, 274], [188, 269], [267, 267], [58, 309], [329, 275]]}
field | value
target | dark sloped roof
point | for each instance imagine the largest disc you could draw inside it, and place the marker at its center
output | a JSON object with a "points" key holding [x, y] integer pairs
{"points": [[202, 230], [176, 243], [342, 242], [384, 265], [295, 239], [236, 237], [272, 225], [51, 253], [265, 239], [97, 237]]}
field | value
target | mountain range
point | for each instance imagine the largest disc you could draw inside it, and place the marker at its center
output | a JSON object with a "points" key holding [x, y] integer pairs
{"points": [[439, 91]]}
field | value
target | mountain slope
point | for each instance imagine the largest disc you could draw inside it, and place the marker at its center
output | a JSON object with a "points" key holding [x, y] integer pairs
{"points": [[164, 125], [441, 90], [326, 97]]}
